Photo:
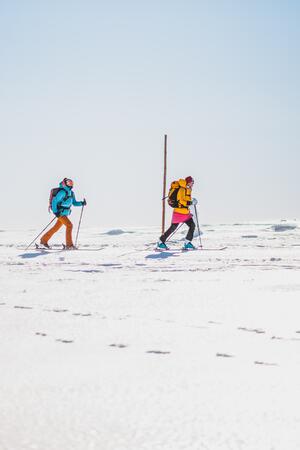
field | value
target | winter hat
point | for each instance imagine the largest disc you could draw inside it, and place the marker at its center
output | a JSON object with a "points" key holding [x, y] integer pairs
{"points": [[189, 180]]}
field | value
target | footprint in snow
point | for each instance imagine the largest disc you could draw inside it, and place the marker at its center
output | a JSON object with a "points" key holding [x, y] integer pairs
{"points": [[58, 310], [262, 363], [158, 352], [86, 271], [224, 355], [23, 307], [38, 333], [82, 314], [253, 330], [65, 341], [118, 345]]}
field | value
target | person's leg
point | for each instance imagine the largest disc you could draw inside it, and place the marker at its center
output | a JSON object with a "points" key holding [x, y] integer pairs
{"points": [[169, 231], [45, 238], [191, 224], [69, 226]]}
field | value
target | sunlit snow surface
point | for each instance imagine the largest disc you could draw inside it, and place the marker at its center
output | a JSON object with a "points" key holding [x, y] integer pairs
{"points": [[117, 347]]}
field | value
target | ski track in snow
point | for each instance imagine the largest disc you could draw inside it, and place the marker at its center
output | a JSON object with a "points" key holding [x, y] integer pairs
{"points": [[130, 349]]}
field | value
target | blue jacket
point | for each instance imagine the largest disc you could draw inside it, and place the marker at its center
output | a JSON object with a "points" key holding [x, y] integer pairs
{"points": [[64, 199]]}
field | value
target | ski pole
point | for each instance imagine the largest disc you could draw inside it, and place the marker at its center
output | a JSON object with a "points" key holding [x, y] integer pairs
{"points": [[40, 233], [199, 232], [174, 232], [79, 225]]}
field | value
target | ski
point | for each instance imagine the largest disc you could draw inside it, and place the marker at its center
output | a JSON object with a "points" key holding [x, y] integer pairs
{"points": [[40, 247], [183, 250], [45, 249], [63, 248], [83, 249], [213, 249], [88, 249]]}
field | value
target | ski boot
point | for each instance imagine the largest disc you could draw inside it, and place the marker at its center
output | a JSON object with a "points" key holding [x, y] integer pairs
{"points": [[188, 246], [70, 247], [161, 246], [43, 246]]}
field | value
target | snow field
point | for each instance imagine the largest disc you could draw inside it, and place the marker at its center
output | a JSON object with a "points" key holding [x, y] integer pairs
{"points": [[124, 348]]}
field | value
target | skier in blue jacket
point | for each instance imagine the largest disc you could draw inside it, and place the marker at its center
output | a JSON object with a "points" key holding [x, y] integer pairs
{"points": [[61, 206]]}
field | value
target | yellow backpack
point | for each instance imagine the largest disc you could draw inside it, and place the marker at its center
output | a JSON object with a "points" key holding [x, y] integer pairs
{"points": [[172, 195]]}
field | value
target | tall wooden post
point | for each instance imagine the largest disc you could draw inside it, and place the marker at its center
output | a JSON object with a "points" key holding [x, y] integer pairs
{"points": [[164, 187]]}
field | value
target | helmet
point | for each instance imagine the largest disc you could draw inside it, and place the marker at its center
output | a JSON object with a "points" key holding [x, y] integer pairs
{"points": [[67, 182]]}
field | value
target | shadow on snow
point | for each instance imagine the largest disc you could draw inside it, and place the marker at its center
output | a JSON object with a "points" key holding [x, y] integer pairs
{"points": [[161, 255], [34, 255]]}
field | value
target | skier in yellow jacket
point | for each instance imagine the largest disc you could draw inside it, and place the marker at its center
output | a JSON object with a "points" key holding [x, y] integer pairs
{"points": [[180, 198]]}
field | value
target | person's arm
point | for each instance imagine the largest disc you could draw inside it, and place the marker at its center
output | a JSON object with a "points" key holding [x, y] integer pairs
{"points": [[75, 202]]}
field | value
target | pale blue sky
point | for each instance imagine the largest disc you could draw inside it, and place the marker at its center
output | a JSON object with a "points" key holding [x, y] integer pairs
{"points": [[89, 88]]}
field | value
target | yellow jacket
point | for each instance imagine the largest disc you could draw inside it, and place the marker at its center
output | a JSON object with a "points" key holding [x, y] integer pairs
{"points": [[184, 198]]}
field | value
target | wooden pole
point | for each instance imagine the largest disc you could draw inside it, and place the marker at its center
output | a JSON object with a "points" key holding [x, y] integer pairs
{"points": [[164, 187]]}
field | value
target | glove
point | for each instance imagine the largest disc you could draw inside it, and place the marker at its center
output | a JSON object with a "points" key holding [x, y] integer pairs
{"points": [[194, 202], [57, 214], [84, 202]]}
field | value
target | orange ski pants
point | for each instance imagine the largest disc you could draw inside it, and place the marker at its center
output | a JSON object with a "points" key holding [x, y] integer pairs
{"points": [[63, 220]]}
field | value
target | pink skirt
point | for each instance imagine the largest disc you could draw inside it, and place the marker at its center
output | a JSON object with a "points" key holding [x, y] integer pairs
{"points": [[179, 218]]}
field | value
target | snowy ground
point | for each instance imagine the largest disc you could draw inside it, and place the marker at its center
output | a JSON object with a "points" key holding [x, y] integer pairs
{"points": [[123, 348]]}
